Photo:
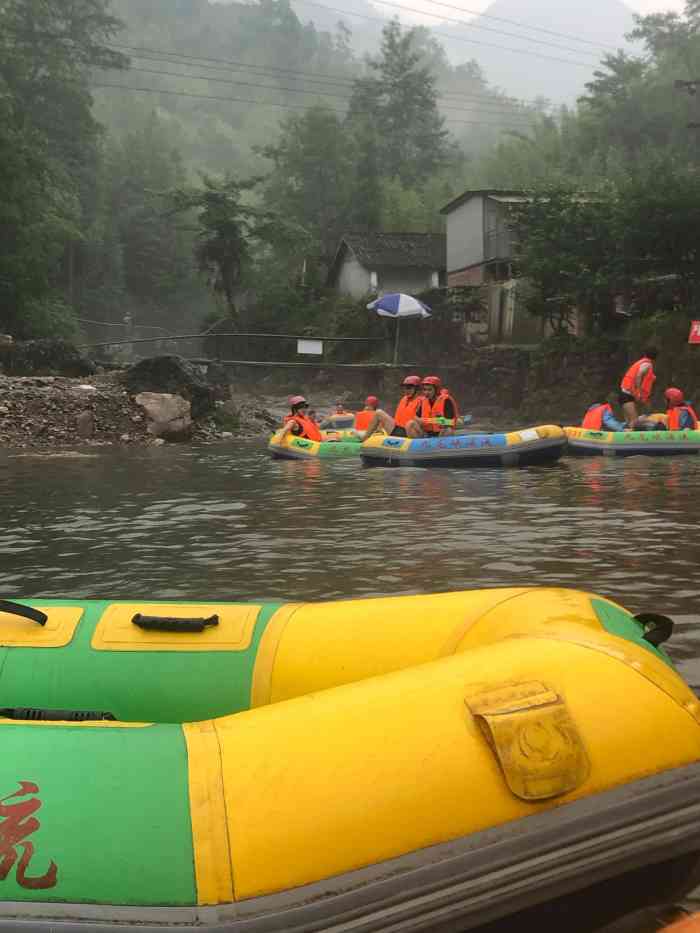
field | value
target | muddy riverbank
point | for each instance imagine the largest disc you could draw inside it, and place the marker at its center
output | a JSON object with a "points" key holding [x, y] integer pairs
{"points": [[47, 412]]}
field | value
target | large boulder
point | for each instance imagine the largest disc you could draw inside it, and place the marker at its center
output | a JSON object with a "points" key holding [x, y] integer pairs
{"points": [[45, 357], [172, 375], [169, 416]]}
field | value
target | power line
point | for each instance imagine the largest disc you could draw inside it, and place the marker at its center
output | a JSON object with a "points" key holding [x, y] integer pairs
{"points": [[502, 32], [259, 103], [272, 87], [163, 57], [446, 35], [521, 25], [506, 101]]}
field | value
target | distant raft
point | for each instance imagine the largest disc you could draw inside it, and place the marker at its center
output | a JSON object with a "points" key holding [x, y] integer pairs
{"points": [[301, 448], [583, 442], [338, 420], [541, 444]]}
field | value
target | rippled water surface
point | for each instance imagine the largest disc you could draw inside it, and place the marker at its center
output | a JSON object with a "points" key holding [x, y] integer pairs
{"points": [[226, 522]]}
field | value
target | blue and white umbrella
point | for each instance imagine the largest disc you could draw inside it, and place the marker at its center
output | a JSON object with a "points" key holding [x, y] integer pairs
{"points": [[397, 306]]}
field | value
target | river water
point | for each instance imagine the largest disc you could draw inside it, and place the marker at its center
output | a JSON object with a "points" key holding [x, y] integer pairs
{"points": [[227, 522]]}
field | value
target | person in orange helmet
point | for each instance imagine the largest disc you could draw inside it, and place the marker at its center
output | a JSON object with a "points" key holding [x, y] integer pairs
{"points": [[298, 421], [363, 418], [680, 415], [437, 413], [405, 413]]}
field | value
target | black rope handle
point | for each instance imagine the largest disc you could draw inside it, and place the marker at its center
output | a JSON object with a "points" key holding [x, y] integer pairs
{"points": [[172, 624], [657, 628], [34, 714], [26, 612]]}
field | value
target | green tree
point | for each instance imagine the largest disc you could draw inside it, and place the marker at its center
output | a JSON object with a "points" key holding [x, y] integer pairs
{"points": [[231, 231], [568, 251], [400, 99], [48, 140], [312, 178]]}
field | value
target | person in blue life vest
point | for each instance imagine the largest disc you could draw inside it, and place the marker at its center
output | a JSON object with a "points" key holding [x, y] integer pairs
{"points": [[600, 417]]}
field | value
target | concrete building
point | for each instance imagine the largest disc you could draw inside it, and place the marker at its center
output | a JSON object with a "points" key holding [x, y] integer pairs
{"points": [[479, 241], [380, 263]]}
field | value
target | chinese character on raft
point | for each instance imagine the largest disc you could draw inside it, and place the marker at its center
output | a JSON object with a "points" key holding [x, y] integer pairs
{"points": [[17, 822]]}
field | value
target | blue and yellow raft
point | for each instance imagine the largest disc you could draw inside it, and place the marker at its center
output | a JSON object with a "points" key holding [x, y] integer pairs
{"points": [[542, 444]]}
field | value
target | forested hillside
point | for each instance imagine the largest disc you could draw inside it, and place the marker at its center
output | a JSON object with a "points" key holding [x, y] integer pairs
{"points": [[110, 112], [164, 157]]}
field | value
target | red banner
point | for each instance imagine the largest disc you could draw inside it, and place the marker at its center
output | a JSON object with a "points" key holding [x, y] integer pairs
{"points": [[694, 335]]}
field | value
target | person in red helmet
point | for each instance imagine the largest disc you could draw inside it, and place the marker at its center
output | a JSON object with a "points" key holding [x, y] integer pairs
{"points": [[680, 415], [363, 418], [298, 421], [438, 411], [405, 413]]}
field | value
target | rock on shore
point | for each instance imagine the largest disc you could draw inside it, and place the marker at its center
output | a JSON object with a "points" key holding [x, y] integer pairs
{"points": [[47, 412]]}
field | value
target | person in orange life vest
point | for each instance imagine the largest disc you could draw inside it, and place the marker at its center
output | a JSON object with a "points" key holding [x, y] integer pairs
{"points": [[436, 403], [363, 418], [406, 410], [679, 413], [298, 422], [600, 417], [637, 384]]}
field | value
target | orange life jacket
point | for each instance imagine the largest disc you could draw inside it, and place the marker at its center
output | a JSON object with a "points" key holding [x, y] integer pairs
{"points": [[407, 409], [628, 384], [362, 420], [309, 428], [674, 417], [593, 419], [436, 409]]}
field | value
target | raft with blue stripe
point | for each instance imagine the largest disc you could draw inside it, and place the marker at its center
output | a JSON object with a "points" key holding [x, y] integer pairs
{"points": [[542, 444]]}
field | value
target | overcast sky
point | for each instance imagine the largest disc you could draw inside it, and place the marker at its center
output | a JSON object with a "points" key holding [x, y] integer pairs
{"points": [[654, 6], [638, 6]]}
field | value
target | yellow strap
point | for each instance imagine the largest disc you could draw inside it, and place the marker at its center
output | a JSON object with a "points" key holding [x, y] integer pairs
{"points": [[212, 855], [261, 686]]}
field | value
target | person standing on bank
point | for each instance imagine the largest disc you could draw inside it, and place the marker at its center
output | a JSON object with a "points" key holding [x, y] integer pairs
{"points": [[405, 413], [637, 384]]}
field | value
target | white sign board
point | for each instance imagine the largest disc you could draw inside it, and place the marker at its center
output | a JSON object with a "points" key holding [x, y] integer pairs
{"points": [[311, 347]]}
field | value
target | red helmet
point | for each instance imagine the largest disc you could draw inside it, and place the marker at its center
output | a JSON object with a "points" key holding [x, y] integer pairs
{"points": [[372, 400], [674, 397], [432, 381], [295, 400], [411, 381]]}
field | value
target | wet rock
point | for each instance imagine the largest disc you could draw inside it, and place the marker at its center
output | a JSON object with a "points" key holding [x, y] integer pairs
{"points": [[169, 416], [40, 357], [172, 375], [85, 424]]}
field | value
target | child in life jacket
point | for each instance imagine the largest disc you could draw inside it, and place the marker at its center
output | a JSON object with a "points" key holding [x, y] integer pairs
{"points": [[600, 417], [298, 421], [363, 418], [680, 415]]}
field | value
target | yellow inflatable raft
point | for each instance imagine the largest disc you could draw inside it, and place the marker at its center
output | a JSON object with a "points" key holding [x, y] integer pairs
{"points": [[419, 763]]}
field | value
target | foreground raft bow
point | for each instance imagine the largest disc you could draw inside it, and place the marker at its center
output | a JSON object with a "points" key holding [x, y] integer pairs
{"points": [[410, 763]]}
